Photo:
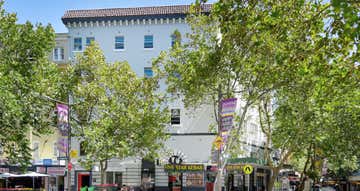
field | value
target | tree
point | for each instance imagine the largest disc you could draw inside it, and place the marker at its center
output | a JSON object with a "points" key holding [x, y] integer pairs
{"points": [[118, 114], [25, 74], [265, 51]]}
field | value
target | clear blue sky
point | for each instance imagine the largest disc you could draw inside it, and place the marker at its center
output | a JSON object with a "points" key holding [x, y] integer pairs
{"points": [[51, 11]]}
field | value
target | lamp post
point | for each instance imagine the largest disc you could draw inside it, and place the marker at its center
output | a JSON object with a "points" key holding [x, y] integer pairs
{"points": [[68, 129]]}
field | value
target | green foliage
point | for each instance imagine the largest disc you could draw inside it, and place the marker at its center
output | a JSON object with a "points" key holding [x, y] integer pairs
{"points": [[118, 114], [301, 56], [25, 75]]}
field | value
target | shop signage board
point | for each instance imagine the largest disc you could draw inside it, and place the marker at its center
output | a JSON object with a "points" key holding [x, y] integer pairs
{"points": [[234, 167], [184, 167], [56, 171], [247, 160]]}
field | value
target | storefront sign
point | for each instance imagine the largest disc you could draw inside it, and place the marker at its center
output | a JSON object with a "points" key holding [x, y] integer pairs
{"points": [[234, 167], [247, 160], [183, 167], [56, 171]]}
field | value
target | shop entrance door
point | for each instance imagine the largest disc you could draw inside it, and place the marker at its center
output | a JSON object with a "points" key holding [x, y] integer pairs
{"points": [[175, 182], [83, 180]]}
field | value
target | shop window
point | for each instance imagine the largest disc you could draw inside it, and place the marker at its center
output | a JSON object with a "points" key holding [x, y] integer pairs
{"points": [[194, 179]]}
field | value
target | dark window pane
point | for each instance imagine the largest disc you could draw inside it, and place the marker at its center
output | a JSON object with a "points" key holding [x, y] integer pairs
{"points": [[175, 116]]}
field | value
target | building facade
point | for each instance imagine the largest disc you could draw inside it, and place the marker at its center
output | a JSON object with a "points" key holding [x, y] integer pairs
{"points": [[137, 35]]}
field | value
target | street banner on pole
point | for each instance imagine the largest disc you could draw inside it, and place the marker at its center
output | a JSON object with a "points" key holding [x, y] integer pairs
{"points": [[62, 113], [227, 113]]}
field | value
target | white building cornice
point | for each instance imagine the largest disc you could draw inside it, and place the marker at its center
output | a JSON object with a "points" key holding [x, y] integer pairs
{"points": [[126, 22]]}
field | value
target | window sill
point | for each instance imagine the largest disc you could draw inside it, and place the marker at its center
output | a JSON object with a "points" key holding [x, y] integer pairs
{"points": [[119, 50], [148, 48], [77, 51]]}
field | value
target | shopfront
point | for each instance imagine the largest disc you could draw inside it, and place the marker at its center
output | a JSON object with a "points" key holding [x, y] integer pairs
{"points": [[245, 177], [56, 176], [185, 177]]}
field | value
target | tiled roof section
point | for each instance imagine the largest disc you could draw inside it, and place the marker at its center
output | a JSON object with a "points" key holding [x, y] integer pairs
{"points": [[71, 15]]}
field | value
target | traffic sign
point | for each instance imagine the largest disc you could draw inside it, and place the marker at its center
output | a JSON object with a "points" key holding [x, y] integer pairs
{"points": [[73, 154], [248, 169], [218, 142]]}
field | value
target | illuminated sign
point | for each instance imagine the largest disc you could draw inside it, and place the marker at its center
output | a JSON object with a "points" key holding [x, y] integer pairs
{"points": [[183, 167]]}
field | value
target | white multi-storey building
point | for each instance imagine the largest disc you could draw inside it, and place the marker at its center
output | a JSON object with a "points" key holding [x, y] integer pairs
{"points": [[137, 35]]}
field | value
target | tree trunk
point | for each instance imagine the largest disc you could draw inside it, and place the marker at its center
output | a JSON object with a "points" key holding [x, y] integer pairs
{"points": [[275, 173], [103, 167], [222, 164]]}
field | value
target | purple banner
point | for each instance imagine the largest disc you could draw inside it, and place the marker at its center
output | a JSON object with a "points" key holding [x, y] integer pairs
{"points": [[226, 123], [228, 107], [62, 113], [62, 146]]}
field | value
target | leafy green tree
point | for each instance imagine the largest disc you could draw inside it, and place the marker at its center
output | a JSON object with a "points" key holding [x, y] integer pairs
{"points": [[117, 114], [265, 51], [25, 74]]}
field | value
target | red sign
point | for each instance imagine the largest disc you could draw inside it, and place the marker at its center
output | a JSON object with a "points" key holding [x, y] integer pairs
{"points": [[69, 166], [56, 171]]}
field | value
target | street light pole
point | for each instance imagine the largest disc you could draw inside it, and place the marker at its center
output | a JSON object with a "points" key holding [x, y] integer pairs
{"points": [[68, 148]]}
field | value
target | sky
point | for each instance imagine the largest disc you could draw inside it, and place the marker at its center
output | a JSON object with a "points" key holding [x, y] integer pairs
{"points": [[51, 11]]}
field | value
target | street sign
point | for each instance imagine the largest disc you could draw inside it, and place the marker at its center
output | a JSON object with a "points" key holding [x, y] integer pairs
{"points": [[73, 154], [248, 169], [218, 142]]}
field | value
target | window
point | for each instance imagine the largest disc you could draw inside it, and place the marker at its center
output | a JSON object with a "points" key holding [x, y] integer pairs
{"points": [[173, 40], [114, 178], [82, 149], [55, 149], [148, 72], [109, 177], [119, 43], [77, 44], [36, 150], [148, 41], [175, 116], [89, 40], [58, 54]]}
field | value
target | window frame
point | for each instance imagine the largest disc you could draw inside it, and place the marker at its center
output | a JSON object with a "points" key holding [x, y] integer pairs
{"points": [[119, 43], [77, 45], [176, 118], [147, 42], [36, 150], [148, 69], [88, 40], [59, 54], [82, 151]]}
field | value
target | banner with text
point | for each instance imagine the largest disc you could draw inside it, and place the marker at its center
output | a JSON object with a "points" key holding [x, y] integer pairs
{"points": [[228, 107]]}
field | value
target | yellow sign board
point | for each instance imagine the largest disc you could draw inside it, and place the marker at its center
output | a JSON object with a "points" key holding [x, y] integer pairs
{"points": [[183, 167], [218, 142], [73, 153], [248, 169]]}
